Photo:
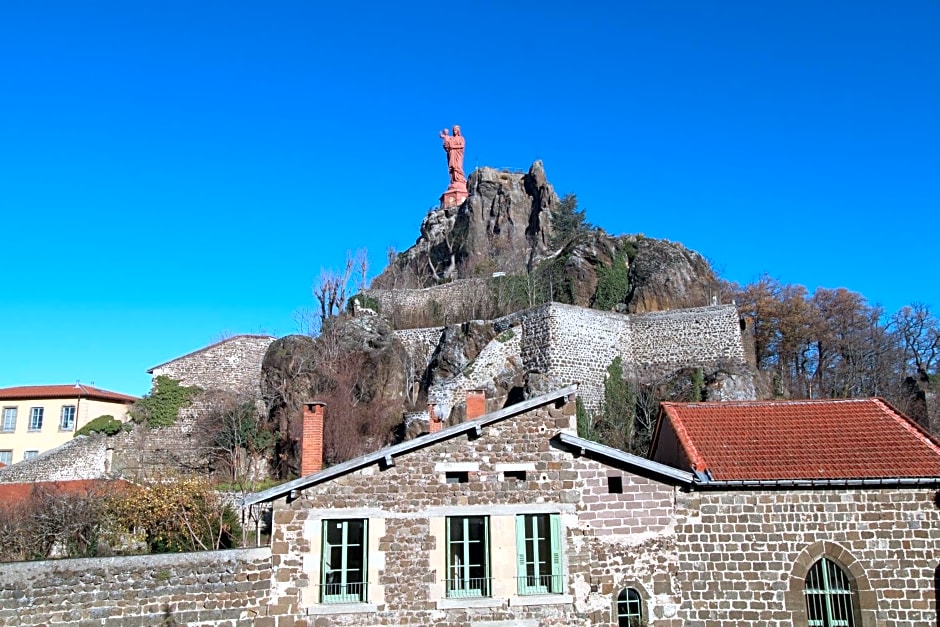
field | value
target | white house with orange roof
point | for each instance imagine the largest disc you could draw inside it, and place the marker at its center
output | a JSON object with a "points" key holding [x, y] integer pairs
{"points": [[37, 418]]}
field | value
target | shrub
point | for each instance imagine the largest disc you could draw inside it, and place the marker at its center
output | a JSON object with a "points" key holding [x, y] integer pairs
{"points": [[162, 405], [108, 425]]}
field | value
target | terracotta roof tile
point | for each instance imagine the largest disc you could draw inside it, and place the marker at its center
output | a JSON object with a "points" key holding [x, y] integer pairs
{"points": [[15, 492], [822, 439], [26, 392]]}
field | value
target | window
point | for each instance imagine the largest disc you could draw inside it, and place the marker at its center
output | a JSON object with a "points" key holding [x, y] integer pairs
{"points": [[629, 608], [67, 421], [9, 419], [538, 549], [29, 455], [468, 557], [343, 572], [514, 475], [615, 485], [6, 457], [829, 596], [35, 418], [458, 476]]}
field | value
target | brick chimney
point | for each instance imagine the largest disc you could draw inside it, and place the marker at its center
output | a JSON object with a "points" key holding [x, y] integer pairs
{"points": [[435, 423], [311, 442], [476, 404]]}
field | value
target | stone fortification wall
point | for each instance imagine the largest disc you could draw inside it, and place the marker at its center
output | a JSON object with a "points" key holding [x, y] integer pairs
{"points": [[704, 336], [139, 453], [744, 556], [212, 588], [575, 344], [84, 457], [569, 344], [420, 344], [467, 299], [231, 365]]}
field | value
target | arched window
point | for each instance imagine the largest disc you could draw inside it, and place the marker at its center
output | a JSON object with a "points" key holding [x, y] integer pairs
{"points": [[830, 598], [629, 608]]}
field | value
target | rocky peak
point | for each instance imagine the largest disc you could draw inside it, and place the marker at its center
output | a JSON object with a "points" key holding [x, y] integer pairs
{"points": [[504, 225]]}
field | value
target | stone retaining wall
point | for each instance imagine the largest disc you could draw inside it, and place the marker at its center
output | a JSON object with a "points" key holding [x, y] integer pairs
{"points": [[211, 588], [234, 364], [569, 343], [84, 457]]}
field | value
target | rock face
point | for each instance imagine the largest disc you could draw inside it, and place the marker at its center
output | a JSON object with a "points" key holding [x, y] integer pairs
{"points": [[665, 275], [505, 225], [357, 363]]}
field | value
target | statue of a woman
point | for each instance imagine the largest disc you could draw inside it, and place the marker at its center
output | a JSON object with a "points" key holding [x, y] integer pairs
{"points": [[454, 146]]}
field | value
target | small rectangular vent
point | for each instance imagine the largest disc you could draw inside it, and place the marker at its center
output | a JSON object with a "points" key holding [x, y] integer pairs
{"points": [[457, 476]]}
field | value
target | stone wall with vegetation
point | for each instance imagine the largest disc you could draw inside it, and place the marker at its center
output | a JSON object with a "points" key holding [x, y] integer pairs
{"points": [[233, 365], [229, 588], [576, 344], [744, 555]]}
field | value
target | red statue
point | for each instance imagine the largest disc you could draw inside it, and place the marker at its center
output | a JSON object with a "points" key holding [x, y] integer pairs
{"points": [[454, 146]]}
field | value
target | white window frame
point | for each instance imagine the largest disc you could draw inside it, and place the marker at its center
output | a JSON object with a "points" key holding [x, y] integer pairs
{"points": [[9, 420], [67, 418], [35, 418], [29, 454], [6, 457]]}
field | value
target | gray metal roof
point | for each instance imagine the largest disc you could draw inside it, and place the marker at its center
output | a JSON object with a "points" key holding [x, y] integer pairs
{"points": [[387, 454], [641, 465]]}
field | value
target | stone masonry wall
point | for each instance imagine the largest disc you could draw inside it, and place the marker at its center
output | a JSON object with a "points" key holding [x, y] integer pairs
{"points": [[575, 344], [84, 457], [743, 555], [704, 336], [223, 588], [455, 302], [233, 364], [608, 539]]}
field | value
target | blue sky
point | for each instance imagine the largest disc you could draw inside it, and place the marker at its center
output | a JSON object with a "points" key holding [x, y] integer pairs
{"points": [[174, 171]]}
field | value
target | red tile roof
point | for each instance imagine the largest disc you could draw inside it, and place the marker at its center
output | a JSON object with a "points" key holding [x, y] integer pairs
{"points": [[15, 492], [78, 390], [821, 439]]}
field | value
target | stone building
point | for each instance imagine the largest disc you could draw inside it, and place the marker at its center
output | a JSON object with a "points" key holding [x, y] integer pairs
{"points": [[817, 512], [508, 518], [767, 513], [801, 513]]}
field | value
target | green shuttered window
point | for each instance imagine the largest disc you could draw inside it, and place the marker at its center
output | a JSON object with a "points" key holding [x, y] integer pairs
{"points": [[344, 568], [468, 556], [538, 554]]}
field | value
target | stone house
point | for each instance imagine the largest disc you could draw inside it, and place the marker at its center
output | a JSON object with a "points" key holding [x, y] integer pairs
{"points": [[777, 513], [507, 518], [816, 512]]}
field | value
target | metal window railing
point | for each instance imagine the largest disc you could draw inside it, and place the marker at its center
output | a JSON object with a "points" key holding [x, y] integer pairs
{"points": [[468, 587], [539, 584], [343, 592]]}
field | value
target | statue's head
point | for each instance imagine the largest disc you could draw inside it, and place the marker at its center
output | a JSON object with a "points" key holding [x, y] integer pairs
{"points": [[456, 129]]}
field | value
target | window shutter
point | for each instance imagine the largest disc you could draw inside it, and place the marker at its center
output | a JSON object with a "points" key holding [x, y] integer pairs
{"points": [[555, 524], [364, 593], [520, 555], [324, 561]]}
